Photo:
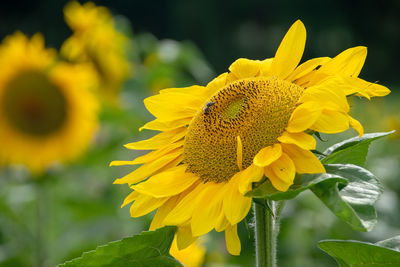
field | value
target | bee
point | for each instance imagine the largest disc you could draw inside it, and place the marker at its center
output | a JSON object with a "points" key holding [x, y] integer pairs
{"points": [[206, 108]]}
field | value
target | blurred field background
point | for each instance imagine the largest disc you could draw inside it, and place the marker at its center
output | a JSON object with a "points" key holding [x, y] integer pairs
{"points": [[74, 207]]}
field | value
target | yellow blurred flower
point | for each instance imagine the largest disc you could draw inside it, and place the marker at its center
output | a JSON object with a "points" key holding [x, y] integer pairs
{"points": [[192, 256], [249, 123], [393, 123], [47, 113], [95, 40]]}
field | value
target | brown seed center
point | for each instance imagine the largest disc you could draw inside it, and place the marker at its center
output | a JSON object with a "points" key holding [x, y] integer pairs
{"points": [[256, 109], [34, 105]]}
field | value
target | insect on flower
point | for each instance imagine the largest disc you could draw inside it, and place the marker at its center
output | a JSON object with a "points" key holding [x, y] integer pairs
{"points": [[206, 109]]}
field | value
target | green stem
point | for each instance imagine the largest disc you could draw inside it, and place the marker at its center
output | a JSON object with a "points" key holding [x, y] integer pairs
{"points": [[266, 232], [40, 220]]}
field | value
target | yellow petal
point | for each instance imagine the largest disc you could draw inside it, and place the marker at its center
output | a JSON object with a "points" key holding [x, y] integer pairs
{"points": [[232, 240], [304, 160], [245, 68], [217, 83], [303, 117], [281, 173], [301, 139], [236, 205], [290, 51], [131, 197], [205, 216], [222, 223], [170, 106], [275, 180], [231, 77], [364, 88], [356, 125], [147, 169], [183, 211], [151, 156], [239, 152], [160, 140], [163, 126], [120, 163], [144, 204], [184, 236], [337, 82], [374, 89], [307, 67], [331, 121], [265, 67], [167, 183], [267, 155], [347, 63], [194, 90], [170, 165], [163, 211], [251, 174], [329, 93], [192, 256]]}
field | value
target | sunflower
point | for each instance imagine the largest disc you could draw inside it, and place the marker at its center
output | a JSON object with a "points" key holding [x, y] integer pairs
{"points": [[96, 41], [47, 113], [252, 122]]}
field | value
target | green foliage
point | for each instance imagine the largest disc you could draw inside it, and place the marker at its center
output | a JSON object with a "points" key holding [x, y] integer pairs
{"points": [[393, 243], [360, 254], [354, 202], [147, 249], [348, 190], [301, 183], [353, 150]]}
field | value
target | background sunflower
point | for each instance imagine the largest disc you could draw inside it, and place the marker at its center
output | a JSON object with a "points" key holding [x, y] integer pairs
{"points": [[96, 41], [48, 112]]}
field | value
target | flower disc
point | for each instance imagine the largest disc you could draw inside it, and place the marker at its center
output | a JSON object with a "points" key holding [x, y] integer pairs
{"points": [[34, 105], [257, 110]]}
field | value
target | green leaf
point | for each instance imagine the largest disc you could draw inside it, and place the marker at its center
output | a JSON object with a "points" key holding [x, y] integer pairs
{"points": [[147, 249], [301, 183], [348, 190], [393, 243], [354, 202], [351, 151], [360, 254]]}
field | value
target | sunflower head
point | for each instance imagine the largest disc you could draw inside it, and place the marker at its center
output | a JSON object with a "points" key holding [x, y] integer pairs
{"points": [[255, 110], [96, 41], [47, 113], [250, 124]]}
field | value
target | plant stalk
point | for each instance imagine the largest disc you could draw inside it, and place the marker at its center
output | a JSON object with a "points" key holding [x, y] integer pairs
{"points": [[40, 245], [265, 233]]}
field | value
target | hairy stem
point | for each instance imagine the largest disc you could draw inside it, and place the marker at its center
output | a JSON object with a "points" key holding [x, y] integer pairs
{"points": [[266, 214]]}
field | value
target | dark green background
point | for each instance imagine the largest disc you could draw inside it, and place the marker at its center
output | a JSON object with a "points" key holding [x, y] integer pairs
{"points": [[225, 30]]}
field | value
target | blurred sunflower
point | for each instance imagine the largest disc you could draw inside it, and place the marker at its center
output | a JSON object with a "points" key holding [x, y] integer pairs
{"points": [[96, 41], [47, 113], [393, 123], [255, 120]]}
